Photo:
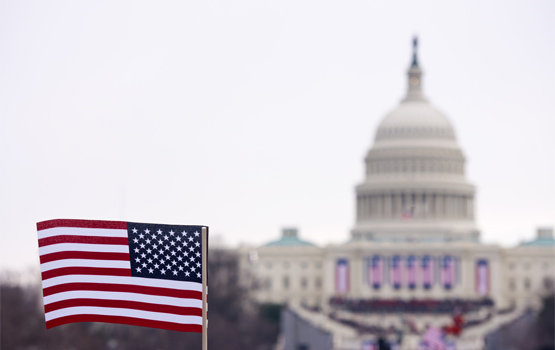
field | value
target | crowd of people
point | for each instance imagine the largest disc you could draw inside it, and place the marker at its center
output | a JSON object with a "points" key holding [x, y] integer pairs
{"points": [[445, 306]]}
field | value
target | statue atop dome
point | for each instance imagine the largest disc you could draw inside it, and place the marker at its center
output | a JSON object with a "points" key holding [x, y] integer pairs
{"points": [[414, 92], [414, 52]]}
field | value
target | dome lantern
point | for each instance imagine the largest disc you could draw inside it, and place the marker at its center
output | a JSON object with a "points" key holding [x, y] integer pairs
{"points": [[414, 92]]}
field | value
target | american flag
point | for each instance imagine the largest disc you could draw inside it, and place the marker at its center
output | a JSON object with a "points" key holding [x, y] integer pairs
{"points": [[121, 272], [427, 271], [408, 213], [433, 339], [342, 276], [448, 272], [377, 271], [411, 271], [369, 345], [396, 271]]}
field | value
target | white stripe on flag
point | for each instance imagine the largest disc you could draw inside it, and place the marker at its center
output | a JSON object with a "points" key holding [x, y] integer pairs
{"points": [[83, 247], [144, 298], [148, 315], [80, 231], [118, 264]]}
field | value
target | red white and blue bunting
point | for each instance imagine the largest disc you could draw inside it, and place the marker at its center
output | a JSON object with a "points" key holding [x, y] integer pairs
{"points": [[448, 272], [412, 272], [427, 271], [396, 272], [377, 271], [407, 271], [342, 276]]}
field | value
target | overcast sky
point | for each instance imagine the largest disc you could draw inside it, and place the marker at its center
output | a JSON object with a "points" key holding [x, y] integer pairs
{"points": [[248, 116]]}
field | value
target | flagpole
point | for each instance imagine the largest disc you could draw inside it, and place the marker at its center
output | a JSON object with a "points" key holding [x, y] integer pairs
{"points": [[204, 291]]}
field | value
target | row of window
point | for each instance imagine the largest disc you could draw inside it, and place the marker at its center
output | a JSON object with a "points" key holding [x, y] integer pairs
{"points": [[424, 166], [527, 265], [286, 283], [408, 205], [547, 283], [287, 264], [415, 130]]}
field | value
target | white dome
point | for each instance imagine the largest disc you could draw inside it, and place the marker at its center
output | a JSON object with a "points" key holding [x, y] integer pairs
{"points": [[415, 119], [415, 184]]}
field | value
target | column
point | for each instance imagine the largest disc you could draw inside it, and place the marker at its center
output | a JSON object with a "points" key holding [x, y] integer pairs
{"points": [[440, 205], [377, 203], [399, 206], [388, 208], [366, 207], [381, 201]]}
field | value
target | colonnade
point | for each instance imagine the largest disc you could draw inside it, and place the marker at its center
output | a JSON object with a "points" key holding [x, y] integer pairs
{"points": [[421, 205], [403, 166]]}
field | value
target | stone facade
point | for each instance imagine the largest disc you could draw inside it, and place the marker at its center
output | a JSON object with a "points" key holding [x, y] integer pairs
{"points": [[414, 205]]}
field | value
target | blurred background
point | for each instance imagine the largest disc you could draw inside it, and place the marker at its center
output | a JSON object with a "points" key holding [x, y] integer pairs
{"points": [[250, 116]]}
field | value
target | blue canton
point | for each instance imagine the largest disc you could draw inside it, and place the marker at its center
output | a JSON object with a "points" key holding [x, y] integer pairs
{"points": [[170, 252]]}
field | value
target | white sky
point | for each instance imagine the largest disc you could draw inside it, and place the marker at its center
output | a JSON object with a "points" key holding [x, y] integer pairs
{"points": [[248, 116]]}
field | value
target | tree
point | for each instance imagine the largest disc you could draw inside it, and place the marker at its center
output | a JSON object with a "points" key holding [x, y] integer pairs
{"points": [[235, 322]]}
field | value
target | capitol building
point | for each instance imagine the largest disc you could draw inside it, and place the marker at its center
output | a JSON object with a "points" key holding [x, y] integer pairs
{"points": [[414, 257]]}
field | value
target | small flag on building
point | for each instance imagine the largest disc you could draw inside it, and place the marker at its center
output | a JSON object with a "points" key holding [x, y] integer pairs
{"points": [[433, 339], [411, 271], [369, 345], [408, 213], [149, 275]]}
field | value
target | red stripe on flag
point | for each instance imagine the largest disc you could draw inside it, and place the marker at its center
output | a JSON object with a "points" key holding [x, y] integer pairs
{"points": [[124, 304], [82, 239], [98, 271], [125, 320], [106, 287], [83, 255], [43, 225]]}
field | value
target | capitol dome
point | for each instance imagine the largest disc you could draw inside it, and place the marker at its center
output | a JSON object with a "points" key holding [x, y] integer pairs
{"points": [[415, 185], [415, 119]]}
